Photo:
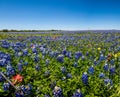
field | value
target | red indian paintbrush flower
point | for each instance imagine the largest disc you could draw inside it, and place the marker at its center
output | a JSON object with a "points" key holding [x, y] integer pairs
{"points": [[17, 78]]}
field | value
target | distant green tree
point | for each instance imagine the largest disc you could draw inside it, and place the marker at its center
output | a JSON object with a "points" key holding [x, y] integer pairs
{"points": [[13, 30], [5, 30]]}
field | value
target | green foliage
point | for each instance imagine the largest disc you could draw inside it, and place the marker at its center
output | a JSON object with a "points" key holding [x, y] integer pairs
{"points": [[41, 83]]}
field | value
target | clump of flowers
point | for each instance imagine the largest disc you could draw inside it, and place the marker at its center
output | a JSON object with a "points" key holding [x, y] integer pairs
{"points": [[57, 92], [78, 93], [17, 78], [85, 78]]}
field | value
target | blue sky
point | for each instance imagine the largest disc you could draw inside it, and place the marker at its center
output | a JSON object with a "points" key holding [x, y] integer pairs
{"points": [[60, 14]]}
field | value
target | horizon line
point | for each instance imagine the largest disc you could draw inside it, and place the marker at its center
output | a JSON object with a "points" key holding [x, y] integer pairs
{"points": [[59, 29]]}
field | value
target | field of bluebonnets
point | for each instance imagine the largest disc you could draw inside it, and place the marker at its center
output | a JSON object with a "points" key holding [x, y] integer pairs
{"points": [[60, 65]]}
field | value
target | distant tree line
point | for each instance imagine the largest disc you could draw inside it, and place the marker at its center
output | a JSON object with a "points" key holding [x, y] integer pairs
{"points": [[6, 30]]}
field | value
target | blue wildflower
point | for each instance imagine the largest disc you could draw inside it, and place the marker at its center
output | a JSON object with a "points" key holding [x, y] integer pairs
{"points": [[78, 93], [112, 70], [60, 58], [108, 81], [63, 69], [95, 62], [112, 61], [75, 64], [6, 86], [26, 63], [19, 94], [20, 66], [1, 78], [10, 70], [25, 52], [78, 55], [64, 52], [102, 57], [37, 67], [102, 75], [106, 67], [85, 78], [36, 58], [69, 75], [87, 53], [57, 92], [83, 57], [91, 70]]}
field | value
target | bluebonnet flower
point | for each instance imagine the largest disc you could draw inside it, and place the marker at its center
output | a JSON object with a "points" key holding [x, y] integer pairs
{"points": [[91, 70], [78, 93], [64, 52], [23, 88], [57, 92], [69, 75], [108, 81], [36, 58], [68, 54], [85, 78], [102, 57], [34, 50], [10, 70], [56, 53], [19, 94], [37, 67], [18, 44], [112, 62], [1, 78], [5, 44], [25, 52], [60, 58], [83, 57], [20, 66], [41, 49], [28, 89], [21, 61], [119, 48], [95, 62], [102, 75], [75, 64], [51, 54], [7, 57], [63, 69], [87, 53], [112, 69], [26, 63], [2, 62], [44, 52], [106, 67], [78, 55], [16, 49], [6, 86]]}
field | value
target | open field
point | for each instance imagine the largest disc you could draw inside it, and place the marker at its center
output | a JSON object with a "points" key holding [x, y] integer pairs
{"points": [[60, 64]]}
